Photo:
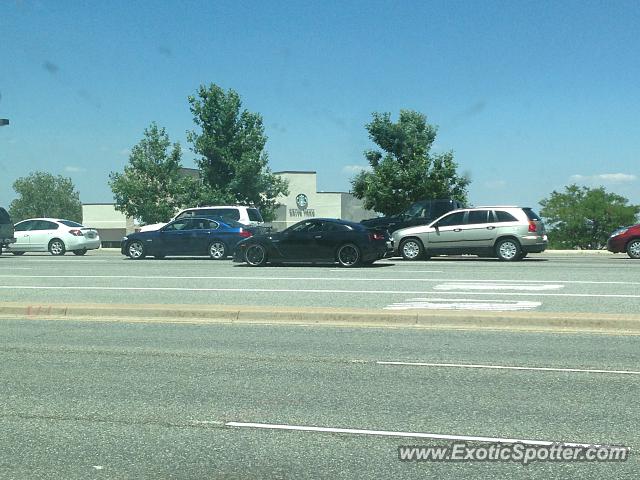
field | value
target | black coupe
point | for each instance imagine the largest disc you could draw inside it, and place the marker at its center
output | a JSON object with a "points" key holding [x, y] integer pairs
{"points": [[318, 240]]}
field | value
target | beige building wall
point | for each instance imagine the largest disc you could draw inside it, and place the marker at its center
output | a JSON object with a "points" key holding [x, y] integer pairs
{"points": [[111, 224], [304, 201]]}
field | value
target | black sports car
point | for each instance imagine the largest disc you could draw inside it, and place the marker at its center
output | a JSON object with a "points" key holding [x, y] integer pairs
{"points": [[317, 240]]}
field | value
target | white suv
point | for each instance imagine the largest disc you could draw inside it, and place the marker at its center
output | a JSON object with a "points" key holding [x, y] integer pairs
{"points": [[249, 216], [509, 233]]}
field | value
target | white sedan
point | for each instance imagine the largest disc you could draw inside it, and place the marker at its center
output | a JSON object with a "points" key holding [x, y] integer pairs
{"points": [[53, 235]]}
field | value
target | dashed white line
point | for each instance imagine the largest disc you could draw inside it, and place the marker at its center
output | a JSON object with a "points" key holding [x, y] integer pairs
{"points": [[508, 367], [462, 304], [388, 433], [498, 286]]}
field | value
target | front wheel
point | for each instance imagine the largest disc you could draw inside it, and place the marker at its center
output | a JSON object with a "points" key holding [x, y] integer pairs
{"points": [[56, 247], [80, 252], [411, 249], [135, 250], [217, 250], [508, 250], [256, 255], [633, 249], [348, 255]]}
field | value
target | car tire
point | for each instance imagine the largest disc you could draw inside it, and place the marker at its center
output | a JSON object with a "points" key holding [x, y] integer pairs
{"points": [[348, 255], [135, 250], [80, 252], [256, 255], [411, 249], [17, 254], [217, 250], [508, 250], [633, 248], [56, 247]]}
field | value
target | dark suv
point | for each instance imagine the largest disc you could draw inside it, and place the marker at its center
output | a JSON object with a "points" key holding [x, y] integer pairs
{"points": [[6, 230], [626, 239], [421, 212]]}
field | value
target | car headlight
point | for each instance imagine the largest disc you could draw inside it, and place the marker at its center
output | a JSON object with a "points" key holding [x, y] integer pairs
{"points": [[619, 232]]}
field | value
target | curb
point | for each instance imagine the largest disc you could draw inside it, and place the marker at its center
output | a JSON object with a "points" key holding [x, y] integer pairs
{"points": [[443, 319]]}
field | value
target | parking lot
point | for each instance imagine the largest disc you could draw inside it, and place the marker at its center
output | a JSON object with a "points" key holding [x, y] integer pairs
{"points": [[117, 399]]}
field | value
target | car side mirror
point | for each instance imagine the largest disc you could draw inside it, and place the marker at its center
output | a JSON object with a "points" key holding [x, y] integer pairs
{"points": [[437, 228]]}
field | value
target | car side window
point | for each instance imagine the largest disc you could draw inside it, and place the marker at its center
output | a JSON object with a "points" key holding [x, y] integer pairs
{"points": [[478, 216], [186, 214], [24, 226], [503, 216], [183, 224], [456, 218], [302, 227], [45, 225], [203, 224]]}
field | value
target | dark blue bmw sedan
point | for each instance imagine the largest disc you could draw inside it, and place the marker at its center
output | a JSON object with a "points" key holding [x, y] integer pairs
{"points": [[192, 236]]}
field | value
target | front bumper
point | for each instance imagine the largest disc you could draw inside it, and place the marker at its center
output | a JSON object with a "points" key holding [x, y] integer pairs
{"points": [[7, 241], [616, 244]]}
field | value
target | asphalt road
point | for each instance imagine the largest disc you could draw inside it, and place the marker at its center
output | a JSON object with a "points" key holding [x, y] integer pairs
{"points": [[117, 400], [544, 283], [161, 400]]}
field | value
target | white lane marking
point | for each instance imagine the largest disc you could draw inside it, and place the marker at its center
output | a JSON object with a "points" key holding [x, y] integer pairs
{"points": [[396, 269], [507, 367], [387, 433], [319, 291], [498, 286], [462, 304], [236, 277]]}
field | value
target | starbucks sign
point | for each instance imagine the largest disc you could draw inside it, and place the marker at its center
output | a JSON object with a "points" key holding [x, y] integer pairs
{"points": [[303, 210]]}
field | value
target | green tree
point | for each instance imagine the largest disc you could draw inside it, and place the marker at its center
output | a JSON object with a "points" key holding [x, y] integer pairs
{"points": [[43, 195], [230, 142], [582, 217], [151, 187], [404, 170]]}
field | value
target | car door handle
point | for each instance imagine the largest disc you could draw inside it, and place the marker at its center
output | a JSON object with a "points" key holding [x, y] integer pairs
{"points": [[491, 228], [317, 236], [457, 229]]}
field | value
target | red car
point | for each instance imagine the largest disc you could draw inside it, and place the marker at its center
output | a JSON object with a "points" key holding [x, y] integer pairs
{"points": [[625, 239]]}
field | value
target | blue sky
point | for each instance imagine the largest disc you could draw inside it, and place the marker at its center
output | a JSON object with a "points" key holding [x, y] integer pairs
{"points": [[529, 95]]}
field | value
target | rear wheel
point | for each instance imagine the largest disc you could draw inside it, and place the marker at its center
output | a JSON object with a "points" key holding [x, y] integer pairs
{"points": [[135, 250], [80, 252], [633, 248], [256, 255], [508, 250], [411, 249], [348, 255], [56, 247], [217, 250]]}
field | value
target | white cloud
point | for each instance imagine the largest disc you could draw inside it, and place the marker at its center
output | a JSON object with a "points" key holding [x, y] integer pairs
{"points": [[354, 169], [604, 178], [73, 169]]}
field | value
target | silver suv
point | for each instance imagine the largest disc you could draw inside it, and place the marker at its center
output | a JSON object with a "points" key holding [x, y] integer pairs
{"points": [[509, 233]]}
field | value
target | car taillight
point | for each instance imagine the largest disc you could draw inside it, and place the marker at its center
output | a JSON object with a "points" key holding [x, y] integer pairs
{"points": [[532, 226], [244, 233], [76, 233], [376, 236]]}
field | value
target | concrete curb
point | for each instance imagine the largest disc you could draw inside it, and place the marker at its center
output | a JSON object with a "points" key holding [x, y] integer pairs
{"points": [[443, 319]]}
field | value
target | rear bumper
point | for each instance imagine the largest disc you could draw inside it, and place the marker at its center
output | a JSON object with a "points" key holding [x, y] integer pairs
{"points": [[83, 243], [534, 243]]}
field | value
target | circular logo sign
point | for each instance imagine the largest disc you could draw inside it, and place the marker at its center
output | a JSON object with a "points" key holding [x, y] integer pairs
{"points": [[302, 201]]}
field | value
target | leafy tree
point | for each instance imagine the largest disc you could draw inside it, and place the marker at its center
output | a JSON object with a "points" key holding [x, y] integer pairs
{"points": [[151, 187], [42, 195], [231, 142], [405, 170], [582, 217]]}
